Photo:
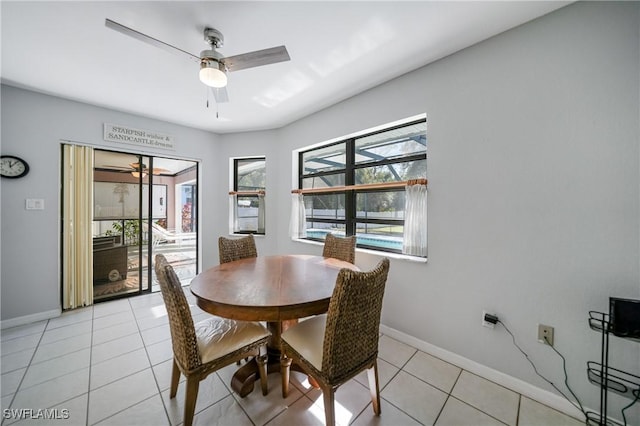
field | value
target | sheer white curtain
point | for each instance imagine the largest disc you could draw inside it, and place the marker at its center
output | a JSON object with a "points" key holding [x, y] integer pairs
{"points": [[77, 267], [297, 223], [233, 213], [415, 220], [261, 208]]}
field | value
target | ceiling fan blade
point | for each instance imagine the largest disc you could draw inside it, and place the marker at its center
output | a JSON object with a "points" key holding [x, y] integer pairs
{"points": [[112, 167], [257, 58], [150, 40], [220, 94]]}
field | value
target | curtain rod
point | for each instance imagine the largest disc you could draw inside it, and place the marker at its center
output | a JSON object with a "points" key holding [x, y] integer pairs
{"points": [[246, 192], [383, 185]]}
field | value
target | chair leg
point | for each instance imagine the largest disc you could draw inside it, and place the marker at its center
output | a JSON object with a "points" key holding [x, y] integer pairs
{"points": [[175, 379], [262, 369], [193, 383], [374, 388], [285, 366], [329, 408]]}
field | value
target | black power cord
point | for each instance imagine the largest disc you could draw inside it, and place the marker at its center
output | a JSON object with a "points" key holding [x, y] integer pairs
{"points": [[636, 399], [564, 366]]}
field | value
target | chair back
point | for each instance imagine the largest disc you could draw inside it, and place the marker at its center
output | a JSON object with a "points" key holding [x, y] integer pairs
{"points": [[343, 248], [237, 248], [353, 321], [183, 333]]}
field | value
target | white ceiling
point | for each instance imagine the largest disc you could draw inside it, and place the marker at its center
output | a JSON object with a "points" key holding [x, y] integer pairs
{"points": [[337, 49]]}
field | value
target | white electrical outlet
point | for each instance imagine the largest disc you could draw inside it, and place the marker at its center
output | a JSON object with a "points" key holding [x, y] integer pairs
{"points": [[487, 323], [545, 334]]}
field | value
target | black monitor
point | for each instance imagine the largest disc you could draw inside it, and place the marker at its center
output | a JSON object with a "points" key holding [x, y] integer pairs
{"points": [[624, 317]]}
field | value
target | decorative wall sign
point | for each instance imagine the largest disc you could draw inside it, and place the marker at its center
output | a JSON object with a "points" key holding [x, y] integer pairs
{"points": [[144, 138]]}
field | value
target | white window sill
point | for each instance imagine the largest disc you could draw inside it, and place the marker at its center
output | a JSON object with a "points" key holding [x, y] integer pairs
{"points": [[369, 251]]}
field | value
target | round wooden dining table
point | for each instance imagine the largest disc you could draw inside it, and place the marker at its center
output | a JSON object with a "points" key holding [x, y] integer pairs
{"points": [[276, 289]]}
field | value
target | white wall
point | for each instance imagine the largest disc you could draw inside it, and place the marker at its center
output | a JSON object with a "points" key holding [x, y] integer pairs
{"points": [[534, 189], [249, 144], [33, 126], [534, 179]]}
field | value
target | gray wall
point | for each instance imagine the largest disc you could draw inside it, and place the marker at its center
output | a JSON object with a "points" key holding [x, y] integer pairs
{"points": [[534, 189], [250, 144], [33, 126]]}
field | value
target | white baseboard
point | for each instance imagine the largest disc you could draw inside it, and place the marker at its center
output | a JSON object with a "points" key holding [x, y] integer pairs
{"points": [[28, 319], [542, 396]]}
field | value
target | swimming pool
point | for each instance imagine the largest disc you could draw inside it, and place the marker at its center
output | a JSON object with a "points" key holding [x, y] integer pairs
{"points": [[370, 240]]}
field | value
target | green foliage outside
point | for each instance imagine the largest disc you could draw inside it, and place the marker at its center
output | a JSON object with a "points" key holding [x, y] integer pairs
{"points": [[129, 229]]}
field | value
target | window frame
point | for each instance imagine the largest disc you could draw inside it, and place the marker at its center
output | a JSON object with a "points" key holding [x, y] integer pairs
{"points": [[351, 220], [246, 194]]}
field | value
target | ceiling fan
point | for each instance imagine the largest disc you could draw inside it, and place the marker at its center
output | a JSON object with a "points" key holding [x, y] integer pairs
{"points": [[213, 66], [136, 169]]}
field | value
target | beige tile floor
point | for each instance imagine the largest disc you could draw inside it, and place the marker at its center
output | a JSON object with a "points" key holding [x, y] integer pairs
{"points": [[110, 364]]}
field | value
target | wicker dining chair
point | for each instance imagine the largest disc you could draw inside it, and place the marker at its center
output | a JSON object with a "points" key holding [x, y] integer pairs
{"points": [[231, 249], [335, 347], [237, 248], [343, 248], [202, 348]]}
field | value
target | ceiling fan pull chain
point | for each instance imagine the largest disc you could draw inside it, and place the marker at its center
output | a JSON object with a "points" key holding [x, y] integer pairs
{"points": [[214, 98]]}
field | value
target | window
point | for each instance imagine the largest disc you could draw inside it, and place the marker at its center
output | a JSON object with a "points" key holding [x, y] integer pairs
{"points": [[248, 195], [358, 186]]}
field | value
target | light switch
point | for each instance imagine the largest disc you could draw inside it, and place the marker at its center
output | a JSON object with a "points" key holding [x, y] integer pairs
{"points": [[35, 204]]}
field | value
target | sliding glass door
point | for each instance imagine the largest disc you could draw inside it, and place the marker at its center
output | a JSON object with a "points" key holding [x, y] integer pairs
{"points": [[139, 211], [174, 226]]}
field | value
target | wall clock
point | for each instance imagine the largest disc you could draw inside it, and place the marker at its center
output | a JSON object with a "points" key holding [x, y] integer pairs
{"points": [[13, 167]]}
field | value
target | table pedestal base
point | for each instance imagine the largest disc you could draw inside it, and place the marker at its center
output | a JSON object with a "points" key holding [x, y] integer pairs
{"points": [[243, 380]]}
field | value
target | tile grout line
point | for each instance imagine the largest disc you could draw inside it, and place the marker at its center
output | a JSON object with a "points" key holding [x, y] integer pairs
{"points": [[57, 356], [230, 393], [146, 351], [503, 387], [462, 370], [93, 314], [449, 395], [47, 324], [13, 398], [106, 384], [476, 408], [366, 407], [401, 369], [390, 380], [125, 409]]}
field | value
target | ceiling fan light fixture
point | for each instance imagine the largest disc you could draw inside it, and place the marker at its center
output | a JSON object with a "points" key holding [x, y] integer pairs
{"points": [[211, 75], [137, 174]]}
